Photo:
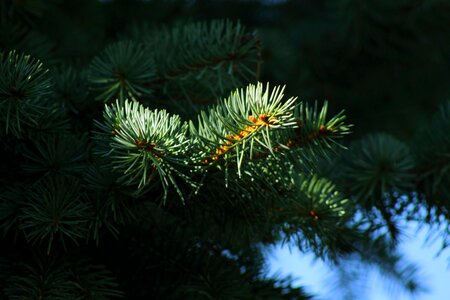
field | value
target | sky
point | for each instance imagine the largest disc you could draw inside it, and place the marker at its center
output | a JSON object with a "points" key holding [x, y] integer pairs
{"points": [[317, 277]]}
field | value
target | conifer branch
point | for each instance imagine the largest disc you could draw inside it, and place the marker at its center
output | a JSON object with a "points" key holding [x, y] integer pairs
{"points": [[233, 58], [142, 144], [122, 71], [54, 211], [314, 214], [377, 166], [432, 152], [221, 53], [256, 168], [23, 84], [241, 125]]}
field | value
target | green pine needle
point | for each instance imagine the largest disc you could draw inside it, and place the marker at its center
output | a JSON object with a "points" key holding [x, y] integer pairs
{"points": [[54, 209], [23, 83], [143, 144], [122, 71], [375, 167], [241, 125], [200, 62]]}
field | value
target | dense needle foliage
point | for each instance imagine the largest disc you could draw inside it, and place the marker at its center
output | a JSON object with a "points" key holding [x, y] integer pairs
{"points": [[151, 150]]}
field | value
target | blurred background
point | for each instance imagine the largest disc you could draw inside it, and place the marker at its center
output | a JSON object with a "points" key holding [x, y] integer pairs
{"points": [[385, 62], [324, 281]]}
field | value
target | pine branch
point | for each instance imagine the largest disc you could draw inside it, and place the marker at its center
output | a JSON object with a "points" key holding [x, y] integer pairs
{"points": [[94, 281], [54, 212], [23, 84], [315, 215], [240, 126], [432, 152], [112, 204], [375, 167], [142, 144], [203, 60], [45, 277], [70, 88], [122, 72], [64, 155], [315, 129], [41, 280], [377, 172], [11, 203], [249, 167], [18, 34], [314, 137]]}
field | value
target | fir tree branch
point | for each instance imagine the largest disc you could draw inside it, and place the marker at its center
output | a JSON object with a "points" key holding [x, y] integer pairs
{"points": [[432, 152], [54, 211], [23, 84], [232, 57], [241, 125], [143, 144], [220, 53], [122, 71]]}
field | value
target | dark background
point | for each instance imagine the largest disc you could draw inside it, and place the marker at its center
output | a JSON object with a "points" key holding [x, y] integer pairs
{"points": [[385, 62]]}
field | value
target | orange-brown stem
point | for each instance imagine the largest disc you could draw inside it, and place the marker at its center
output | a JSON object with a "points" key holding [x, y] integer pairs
{"points": [[262, 120], [303, 140], [144, 145], [313, 214]]}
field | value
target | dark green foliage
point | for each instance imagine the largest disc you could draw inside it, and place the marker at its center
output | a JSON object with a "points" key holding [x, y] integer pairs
{"points": [[378, 173], [93, 281], [42, 281], [320, 212], [122, 71], [54, 209], [376, 166], [111, 204], [203, 61], [59, 279], [24, 82], [142, 144], [432, 148], [11, 200], [141, 157], [241, 126], [58, 155], [70, 88]]}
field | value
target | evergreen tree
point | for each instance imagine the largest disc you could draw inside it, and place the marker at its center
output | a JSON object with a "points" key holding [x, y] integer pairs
{"points": [[145, 156]]}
